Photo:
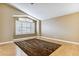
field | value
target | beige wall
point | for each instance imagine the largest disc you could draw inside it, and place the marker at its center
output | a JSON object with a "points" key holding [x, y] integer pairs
{"points": [[64, 27], [7, 22]]}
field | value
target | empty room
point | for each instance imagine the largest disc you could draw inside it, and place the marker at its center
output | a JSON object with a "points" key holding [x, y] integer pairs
{"points": [[39, 29]]}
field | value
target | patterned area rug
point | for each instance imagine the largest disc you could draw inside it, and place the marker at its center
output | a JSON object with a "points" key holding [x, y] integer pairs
{"points": [[37, 47]]}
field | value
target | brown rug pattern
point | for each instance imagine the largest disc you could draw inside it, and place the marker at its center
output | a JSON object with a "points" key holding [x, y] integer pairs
{"points": [[37, 47]]}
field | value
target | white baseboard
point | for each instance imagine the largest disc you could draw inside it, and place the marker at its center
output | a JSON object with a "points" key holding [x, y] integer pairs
{"points": [[6, 42], [26, 38], [66, 41], [39, 37], [15, 40]]}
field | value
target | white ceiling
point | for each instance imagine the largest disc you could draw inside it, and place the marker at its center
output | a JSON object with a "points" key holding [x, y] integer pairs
{"points": [[44, 11]]}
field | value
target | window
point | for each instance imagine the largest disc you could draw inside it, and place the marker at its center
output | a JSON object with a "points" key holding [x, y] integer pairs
{"points": [[25, 26]]}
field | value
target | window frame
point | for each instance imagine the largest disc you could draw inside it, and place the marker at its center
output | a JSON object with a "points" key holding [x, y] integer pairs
{"points": [[24, 35]]}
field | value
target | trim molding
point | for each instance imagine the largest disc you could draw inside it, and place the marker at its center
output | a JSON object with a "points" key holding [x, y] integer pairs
{"points": [[19, 39], [39, 37], [26, 38], [6, 42], [66, 41]]}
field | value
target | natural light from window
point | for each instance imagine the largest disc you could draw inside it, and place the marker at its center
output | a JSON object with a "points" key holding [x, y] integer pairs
{"points": [[25, 26]]}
